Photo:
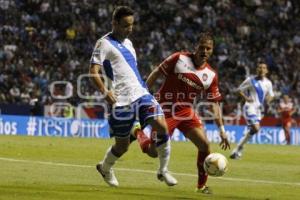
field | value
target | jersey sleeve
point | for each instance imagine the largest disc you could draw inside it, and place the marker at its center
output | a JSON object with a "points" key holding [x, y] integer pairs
{"points": [[213, 92], [168, 65], [100, 52]]}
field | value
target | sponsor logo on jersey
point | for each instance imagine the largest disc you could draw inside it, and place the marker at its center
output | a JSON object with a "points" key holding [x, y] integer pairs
{"points": [[189, 82]]}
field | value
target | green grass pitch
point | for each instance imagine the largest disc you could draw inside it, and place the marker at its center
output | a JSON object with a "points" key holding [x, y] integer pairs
{"points": [[64, 168]]}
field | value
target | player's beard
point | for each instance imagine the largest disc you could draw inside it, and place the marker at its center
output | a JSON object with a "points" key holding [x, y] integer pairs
{"points": [[204, 58]]}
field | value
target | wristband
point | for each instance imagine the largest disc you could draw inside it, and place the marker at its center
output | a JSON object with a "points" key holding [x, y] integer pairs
{"points": [[222, 129]]}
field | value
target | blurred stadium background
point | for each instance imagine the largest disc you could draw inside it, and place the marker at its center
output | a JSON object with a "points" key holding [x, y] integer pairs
{"points": [[46, 45], [47, 41]]}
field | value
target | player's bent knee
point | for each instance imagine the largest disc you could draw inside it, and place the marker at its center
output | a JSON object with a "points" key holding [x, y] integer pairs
{"points": [[120, 150], [123, 150], [161, 129], [254, 130], [152, 154], [160, 126], [204, 147], [151, 150]]}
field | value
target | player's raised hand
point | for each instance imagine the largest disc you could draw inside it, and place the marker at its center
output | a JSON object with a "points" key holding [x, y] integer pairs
{"points": [[224, 144]]}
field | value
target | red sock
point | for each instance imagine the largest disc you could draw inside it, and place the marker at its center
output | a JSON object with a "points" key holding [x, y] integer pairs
{"points": [[143, 140], [287, 136], [202, 176]]}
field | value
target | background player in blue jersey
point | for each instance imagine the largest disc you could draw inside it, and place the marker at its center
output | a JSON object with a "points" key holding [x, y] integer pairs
{"points": [[255, 91], [115, 58]]}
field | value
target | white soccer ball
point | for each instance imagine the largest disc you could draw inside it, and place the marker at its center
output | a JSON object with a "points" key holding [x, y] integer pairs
{"points": [[215, 164]]}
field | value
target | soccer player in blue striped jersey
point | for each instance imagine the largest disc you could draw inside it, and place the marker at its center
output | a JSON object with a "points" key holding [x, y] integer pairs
{"points": [[255, 91], [115, 59]]}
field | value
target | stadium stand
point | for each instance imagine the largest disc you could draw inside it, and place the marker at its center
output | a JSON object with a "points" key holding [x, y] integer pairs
{"points": [[46, 41]]}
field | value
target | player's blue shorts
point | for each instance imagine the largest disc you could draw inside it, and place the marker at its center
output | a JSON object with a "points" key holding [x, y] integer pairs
{"points": [[122, 117]]}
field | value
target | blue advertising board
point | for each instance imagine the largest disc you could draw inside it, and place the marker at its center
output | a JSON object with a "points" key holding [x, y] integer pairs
{"points": [[49, 126], [63, 127], [266, 135]]}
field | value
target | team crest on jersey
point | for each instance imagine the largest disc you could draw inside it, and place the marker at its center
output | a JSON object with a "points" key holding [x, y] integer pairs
{"points": [[204, 77]]}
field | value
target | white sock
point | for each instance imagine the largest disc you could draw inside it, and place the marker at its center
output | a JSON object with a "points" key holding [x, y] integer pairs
{"points": [[163, 152], [243, 141], [109, 160]]}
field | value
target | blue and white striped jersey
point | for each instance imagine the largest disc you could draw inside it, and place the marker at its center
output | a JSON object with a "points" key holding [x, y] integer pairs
{"points": [[119, 64], [257, 90]]}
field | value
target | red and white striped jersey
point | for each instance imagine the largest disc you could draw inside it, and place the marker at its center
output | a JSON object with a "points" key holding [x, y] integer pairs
{"points": [[184, 81]]}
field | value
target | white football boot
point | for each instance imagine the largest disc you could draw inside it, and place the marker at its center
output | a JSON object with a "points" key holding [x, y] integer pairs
{"points": [[109, 176], [236, 153], [167, 178]]}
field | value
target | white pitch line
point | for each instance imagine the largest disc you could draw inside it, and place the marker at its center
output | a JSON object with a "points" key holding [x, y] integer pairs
{"points": [[151, 172]]}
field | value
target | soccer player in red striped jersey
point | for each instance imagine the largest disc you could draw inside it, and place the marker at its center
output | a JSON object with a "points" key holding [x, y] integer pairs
{"points": [[187, 75], [286, 109]]}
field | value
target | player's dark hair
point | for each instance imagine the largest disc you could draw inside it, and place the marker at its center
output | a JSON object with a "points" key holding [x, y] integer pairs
{"points": [[261, 61], [204, 36], [122, 11]]}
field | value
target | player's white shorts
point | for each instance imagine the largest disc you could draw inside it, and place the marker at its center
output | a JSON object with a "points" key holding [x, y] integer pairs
{"points": [[252, 114]]}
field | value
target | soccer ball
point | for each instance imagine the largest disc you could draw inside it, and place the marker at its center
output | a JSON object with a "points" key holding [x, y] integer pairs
{"points": [[215, 164]]}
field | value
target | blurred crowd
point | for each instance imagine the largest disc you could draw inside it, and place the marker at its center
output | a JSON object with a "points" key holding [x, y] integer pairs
{"points": [[43, 41]]}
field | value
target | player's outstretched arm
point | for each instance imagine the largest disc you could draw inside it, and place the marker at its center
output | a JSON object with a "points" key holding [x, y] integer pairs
{"points": [[94, 72], [219, 121]]}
